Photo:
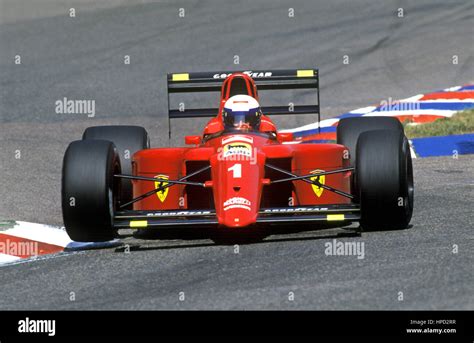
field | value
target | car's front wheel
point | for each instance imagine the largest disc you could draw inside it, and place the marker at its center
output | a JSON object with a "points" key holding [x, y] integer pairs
{"points": [[384, 175], [89, 192]]}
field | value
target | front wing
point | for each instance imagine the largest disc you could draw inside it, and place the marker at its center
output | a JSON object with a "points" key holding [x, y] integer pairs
{"points": [[343, 213]]}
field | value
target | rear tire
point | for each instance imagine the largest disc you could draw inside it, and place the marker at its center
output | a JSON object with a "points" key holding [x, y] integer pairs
{"points": [[128, 140], [89, 190], [385, 178], [349, 130]]}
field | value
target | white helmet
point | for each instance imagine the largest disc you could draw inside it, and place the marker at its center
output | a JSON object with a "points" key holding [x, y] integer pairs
{"points": [[241, 112]]}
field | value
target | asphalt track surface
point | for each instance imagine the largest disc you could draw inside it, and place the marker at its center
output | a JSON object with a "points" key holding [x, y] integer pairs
{"points": [[82, 58]]}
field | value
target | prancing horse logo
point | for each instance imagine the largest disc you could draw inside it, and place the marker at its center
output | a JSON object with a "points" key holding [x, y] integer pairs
{"points": [[164, 192], [321, 179]]}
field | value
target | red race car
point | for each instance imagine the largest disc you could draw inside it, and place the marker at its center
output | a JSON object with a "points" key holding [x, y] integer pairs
{"points": [[242, 175]]}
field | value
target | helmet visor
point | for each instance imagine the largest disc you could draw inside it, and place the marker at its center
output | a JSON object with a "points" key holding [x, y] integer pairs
{"points": [[242, 119]]}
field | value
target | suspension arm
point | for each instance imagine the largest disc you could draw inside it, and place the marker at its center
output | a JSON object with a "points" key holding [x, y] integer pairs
{"points": [[306, 178], [163, 187]]}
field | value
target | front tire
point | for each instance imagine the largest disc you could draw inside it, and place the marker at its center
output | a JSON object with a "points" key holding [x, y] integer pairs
{"points": [[384, 174], [89, 190]]}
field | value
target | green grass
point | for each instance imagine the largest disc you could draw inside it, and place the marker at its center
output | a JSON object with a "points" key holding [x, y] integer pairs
{"points": [[460, 123], [6, 224]]}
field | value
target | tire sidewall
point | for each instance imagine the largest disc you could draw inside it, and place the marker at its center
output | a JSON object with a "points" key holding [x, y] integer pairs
{"points": [[383, 170], [89, 190]]}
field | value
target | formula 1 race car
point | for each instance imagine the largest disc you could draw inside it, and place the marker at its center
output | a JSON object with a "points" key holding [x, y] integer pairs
{"points": [[242, 174]]}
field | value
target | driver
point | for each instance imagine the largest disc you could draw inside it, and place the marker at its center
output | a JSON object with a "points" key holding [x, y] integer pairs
{"points": [[241, 112]]}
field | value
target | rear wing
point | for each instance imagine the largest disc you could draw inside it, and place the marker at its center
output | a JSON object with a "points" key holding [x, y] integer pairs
{"points": [[264, 79]]}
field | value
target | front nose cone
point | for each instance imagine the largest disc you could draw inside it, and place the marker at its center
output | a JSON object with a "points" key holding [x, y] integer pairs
{"points": [[237, 190]]}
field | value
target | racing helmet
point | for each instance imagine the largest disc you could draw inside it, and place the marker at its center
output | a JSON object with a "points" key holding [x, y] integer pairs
{"points": [[241, 112]]}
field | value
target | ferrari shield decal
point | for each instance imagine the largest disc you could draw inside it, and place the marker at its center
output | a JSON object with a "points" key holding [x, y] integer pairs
{"points": [[321, 179], [162, 194]]}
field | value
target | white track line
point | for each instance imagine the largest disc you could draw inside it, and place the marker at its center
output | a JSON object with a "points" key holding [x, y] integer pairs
{"points": [[4, 258]]}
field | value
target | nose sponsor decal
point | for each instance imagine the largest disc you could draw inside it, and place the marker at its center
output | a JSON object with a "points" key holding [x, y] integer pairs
{"points": [[237, 202], [320, 179], [237, 148], [162, 194]]}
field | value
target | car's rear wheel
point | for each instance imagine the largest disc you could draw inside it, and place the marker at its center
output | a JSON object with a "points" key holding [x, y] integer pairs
{"points": [[128, 140], [349, 130], [385, 179], [89, 190]]}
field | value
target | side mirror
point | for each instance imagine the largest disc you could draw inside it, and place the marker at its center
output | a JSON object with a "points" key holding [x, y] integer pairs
{"points": [[192, 140], [284, 137]]}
